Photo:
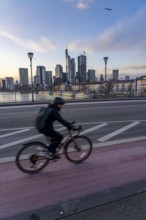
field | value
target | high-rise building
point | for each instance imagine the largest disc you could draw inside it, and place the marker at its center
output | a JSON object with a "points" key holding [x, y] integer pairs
{"points": [[36, 80], [72, 70], [115, 75], [91, 76], [23, 75], [58, 71], [82, 68], [9, 83], [64, 77], [68, 69], [2, 83], [127, 77], [41, 73], [48, 77]]}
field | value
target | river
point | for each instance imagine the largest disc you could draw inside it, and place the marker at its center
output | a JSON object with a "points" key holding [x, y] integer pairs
{"points": [[6, 97], [18, 97]]}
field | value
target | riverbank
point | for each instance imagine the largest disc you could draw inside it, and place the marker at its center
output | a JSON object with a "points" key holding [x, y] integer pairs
{"points": [[16, 98], [100, 99]]}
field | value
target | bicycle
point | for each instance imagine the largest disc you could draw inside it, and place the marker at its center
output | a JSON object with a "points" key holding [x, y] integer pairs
{"points": [[76, 148]]}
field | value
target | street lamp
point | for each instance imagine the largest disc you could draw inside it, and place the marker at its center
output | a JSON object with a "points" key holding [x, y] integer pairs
{"points": [[105, 60], [30, 55]]}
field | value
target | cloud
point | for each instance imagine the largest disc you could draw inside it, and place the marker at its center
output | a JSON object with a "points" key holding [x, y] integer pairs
{"points": [[133, 67], [81, 4], [127, 35], [42, 45]]}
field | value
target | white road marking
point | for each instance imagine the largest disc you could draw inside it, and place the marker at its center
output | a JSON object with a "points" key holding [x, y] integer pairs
{"points": [[25, 139], [82, 123], [126, 140], [20, 141], [94, 128], [13, 133], [13, 129], [119, 131], [109, 143], [40, 135]]}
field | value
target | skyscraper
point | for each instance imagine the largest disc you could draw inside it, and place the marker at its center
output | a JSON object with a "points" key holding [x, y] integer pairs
{"points": [[115, 74], [58, 71], [48, 77], [72, 70], [127, 77], [2, 84], [82, 68], [9, 83], [68, 71], [41, 72], [91, 75], [23, 75]]}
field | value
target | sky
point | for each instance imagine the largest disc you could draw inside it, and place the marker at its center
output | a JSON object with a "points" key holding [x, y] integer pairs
{"points": [[48, 27]]}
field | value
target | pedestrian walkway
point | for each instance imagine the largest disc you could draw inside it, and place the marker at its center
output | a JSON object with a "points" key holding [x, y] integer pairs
{"points": [[63, 188]]}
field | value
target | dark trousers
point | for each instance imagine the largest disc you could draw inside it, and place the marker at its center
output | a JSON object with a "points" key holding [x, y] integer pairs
{"points": [[54, 135]]}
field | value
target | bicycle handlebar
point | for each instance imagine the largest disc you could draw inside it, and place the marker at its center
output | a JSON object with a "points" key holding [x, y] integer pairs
{"points": [[79, 129]]}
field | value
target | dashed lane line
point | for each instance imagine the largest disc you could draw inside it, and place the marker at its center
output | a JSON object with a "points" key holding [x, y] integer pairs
{"points": [[20, 141], [40, 135], [25, 139], [13, 133], [13, 129], [94, 128], [119, 131]]}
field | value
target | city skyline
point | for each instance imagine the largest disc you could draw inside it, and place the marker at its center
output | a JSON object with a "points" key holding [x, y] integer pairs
{"points": [[48, 28]]}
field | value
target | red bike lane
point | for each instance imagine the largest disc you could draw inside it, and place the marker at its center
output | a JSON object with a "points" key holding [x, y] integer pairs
{"points": [[63, 188]]}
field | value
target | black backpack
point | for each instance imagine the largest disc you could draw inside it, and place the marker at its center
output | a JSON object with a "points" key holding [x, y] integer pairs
{"points": [[40, 120]]}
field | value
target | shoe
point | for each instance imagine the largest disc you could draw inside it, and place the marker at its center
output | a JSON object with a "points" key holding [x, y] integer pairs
{"points": [[56, 156], [46, 154]]}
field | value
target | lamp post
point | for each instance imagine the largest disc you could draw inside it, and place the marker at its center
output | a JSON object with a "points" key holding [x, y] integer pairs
{"points": [[105, 60], [30, 55]]}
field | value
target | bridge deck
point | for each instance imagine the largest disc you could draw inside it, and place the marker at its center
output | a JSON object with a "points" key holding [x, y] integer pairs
{"points": [[66, 185]]}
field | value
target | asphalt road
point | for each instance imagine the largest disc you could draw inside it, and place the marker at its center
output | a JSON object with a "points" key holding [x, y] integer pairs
{"points": [[103, 122]]}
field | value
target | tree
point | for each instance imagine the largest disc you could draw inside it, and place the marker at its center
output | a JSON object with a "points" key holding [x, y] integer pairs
{"points": [[101, 78], [109, 86]]}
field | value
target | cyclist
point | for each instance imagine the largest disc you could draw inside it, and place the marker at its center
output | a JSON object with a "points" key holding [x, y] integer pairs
{"points": [[48, 130]]}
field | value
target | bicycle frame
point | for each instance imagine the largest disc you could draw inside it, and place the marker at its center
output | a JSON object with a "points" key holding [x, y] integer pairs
{"points": [[67, 137]]}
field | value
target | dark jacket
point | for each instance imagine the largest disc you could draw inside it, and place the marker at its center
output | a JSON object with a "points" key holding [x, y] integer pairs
{"points": [[55, 116]]}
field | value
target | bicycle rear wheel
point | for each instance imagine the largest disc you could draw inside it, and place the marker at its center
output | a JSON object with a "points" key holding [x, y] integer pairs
{"points": [[78, 150], [28, 159]]}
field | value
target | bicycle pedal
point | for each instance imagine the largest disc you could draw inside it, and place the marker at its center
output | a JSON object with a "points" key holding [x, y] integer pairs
{"points": [[53, 160]]}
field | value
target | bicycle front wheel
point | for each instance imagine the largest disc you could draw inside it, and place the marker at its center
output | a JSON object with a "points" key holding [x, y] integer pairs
{"points": [[78, 149], [28, 158]]}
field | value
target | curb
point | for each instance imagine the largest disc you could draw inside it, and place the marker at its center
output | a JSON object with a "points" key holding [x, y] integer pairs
{"points": [[59, 211]]}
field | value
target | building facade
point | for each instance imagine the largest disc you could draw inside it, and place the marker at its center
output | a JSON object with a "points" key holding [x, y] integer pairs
{"points": [[141, 85], [82, 63], [41, 73], [48, 77], [23, 76], [91, 76], [58, 71], [2, 84], [68, 67], [9, 83], [72, 70], [115, 75]]}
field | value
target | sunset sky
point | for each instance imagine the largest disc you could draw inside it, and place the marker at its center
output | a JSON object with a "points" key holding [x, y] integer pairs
{"points": [[46, 27]]}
